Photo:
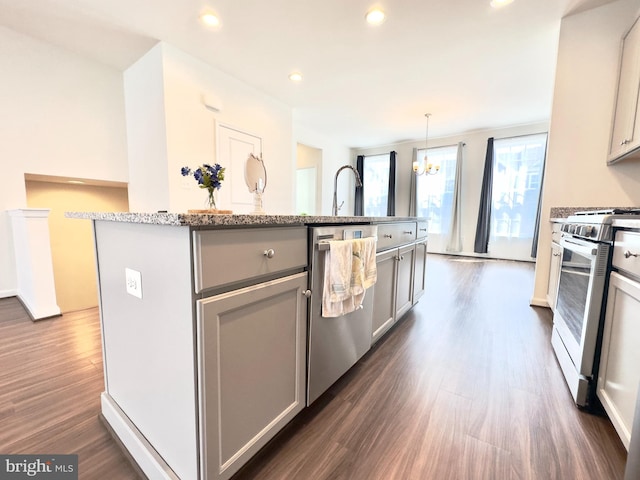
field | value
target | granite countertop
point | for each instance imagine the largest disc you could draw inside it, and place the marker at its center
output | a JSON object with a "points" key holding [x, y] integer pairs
{"points": [[560, 214], [202, 220]]}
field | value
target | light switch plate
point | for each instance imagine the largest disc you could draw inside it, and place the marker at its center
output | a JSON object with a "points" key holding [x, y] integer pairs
{"points": [[134, 282]]}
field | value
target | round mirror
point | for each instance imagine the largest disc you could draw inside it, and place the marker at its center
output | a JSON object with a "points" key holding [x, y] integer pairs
{"points": [[255, 175]]}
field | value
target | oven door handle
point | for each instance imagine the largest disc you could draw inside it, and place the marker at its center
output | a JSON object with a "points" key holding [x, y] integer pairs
{"points": [[585, 248]]}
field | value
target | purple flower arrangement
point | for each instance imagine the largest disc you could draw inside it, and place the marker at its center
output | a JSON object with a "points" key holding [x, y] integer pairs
{"points": [[207, 176]]}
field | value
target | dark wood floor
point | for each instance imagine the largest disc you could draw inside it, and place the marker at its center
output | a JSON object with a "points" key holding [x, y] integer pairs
{"points": [[465, 387], [51, 378]]}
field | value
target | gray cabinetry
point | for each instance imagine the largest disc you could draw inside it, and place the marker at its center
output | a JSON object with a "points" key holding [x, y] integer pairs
{"points": [[404, 284], [625, 128], [394, 290], [205, 337], [252, 345], [231, 257], [419, 269], [384, 300]]}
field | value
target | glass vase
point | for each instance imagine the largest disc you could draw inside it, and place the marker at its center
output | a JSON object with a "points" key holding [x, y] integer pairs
{"points": [[211, 200]]}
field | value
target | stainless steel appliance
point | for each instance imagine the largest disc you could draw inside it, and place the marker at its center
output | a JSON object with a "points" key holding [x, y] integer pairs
{"points": [[335, 344], [586, 241]]}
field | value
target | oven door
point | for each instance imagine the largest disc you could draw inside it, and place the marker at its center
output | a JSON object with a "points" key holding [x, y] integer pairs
{"points": [[578, 308]]}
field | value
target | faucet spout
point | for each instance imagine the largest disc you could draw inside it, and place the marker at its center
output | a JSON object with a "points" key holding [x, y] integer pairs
{"points": [[335, 186]]}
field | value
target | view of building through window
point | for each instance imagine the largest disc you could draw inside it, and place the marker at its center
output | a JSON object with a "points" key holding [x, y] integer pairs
{"points": [[435, 192], [376, 185], [517, 176]]}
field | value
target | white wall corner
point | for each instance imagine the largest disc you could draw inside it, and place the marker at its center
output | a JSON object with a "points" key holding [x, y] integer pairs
{"points": [[34, 265]]}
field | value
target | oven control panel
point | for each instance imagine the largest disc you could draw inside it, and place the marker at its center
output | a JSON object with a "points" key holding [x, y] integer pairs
{"points": [[587, 231]]}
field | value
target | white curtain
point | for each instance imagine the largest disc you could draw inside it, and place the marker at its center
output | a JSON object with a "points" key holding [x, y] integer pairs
{"points": [[454, 240]]}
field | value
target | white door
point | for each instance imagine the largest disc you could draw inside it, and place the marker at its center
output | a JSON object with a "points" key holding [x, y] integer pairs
{"points": [[234, 147]]}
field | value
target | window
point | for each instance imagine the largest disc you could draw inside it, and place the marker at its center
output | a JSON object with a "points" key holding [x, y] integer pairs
{"points": [[435, 193], [518, 164], [376, 185]]}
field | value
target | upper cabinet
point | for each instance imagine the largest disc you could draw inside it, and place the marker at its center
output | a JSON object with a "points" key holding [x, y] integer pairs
{"points": [[625, 129]]}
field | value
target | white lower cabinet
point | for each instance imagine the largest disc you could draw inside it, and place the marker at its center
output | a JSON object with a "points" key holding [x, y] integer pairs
{"points": [[554, 275], [252, 364], [619, 373]]}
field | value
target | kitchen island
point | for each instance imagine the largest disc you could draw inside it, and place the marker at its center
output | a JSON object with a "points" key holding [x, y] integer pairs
{"points": [[205, 330]]}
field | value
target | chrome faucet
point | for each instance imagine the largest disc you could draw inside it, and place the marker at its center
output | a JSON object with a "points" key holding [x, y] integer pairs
{"points": [[335, 187]]}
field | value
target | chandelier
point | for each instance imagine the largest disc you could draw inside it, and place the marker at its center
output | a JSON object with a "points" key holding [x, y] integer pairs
{"points": [[426, 168]]}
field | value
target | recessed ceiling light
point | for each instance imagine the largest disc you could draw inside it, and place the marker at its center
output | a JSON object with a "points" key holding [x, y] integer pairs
{"points": [[500, 3], [210, 19], [375, 16], [76, 182], [295, 77]]}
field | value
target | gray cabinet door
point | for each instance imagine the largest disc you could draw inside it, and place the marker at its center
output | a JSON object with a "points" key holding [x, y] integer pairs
{"points": [[419, 270], [252, 357], [384, 297], [404, 289]]}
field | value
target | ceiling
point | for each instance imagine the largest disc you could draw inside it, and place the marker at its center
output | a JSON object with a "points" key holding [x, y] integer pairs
{"points": [[469, 65]]}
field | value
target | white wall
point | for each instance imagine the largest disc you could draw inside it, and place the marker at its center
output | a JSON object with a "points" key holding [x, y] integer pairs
{"points": [[576, 172], [64, 115], [146, 133], [185, 133], [472, 170], [334, 155], [61, 114]]}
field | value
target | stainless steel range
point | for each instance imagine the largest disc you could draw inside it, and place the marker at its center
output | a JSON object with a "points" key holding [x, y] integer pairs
{"points": [[595, 225], [586, 240]]}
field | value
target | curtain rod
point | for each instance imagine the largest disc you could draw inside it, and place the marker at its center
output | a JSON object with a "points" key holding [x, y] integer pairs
{"points": [[443, 146]]}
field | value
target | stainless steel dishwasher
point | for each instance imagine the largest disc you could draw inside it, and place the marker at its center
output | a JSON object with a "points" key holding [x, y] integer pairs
{"points": [[335, 344]]}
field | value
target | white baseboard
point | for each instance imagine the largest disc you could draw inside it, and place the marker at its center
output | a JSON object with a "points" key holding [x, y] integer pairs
{"points": [[8, 293], [40, 313], [539, 302], [152, 464]]}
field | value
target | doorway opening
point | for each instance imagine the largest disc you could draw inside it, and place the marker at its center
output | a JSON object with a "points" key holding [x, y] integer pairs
{"points": [[72, 244], [308, 180]]}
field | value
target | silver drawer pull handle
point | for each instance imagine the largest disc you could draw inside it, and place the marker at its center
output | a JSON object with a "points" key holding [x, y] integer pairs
{"points": [[423, 229], [408, 232], [387, 235], [269, 253], [624, 142], [306, 293], [628, 254]]}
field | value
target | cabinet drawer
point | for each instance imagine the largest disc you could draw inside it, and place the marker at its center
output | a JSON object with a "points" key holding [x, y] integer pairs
{"points": [[394, 234], [627, 243], [224, 257], [422, 230]]}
